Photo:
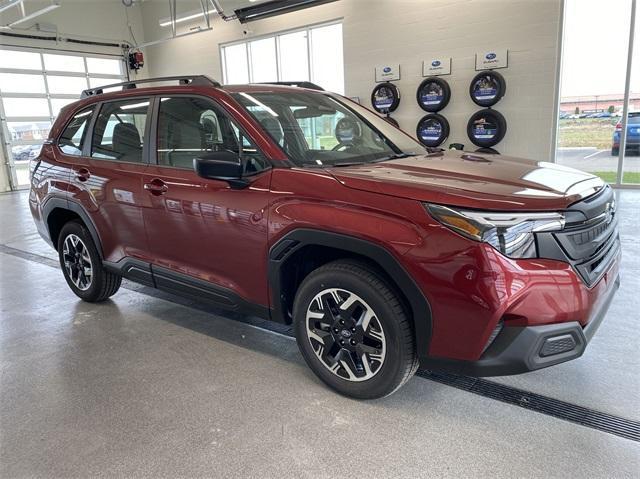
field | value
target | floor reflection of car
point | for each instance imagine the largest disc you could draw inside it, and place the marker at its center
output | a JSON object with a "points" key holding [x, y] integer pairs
{"points": [[633, 134]]}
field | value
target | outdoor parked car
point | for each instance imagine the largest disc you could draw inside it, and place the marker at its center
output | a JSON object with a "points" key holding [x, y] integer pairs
{"points": [[383, 255], [633, 134], [25, 152]]}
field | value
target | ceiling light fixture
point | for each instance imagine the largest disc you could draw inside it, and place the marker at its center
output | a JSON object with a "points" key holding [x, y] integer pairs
{"points": [[166, 22], [55, 4]]}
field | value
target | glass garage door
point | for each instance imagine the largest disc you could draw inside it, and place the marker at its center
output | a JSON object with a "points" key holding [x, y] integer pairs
{"points": [[600, 90], [34, 86]]}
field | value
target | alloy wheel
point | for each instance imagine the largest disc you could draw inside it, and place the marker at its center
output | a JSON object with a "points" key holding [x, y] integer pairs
{"points": [[345, 334], [77, 262]]}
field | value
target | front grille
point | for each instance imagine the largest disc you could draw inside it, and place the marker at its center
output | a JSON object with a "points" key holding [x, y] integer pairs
{"points": [[590, 242], [589, 235]]}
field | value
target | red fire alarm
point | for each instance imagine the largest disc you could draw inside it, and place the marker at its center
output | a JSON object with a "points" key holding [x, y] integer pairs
{"points": [[136, 60]]}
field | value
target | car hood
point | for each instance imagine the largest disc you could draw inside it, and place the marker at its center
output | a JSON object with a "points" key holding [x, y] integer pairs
{"points": [[473, 180]]}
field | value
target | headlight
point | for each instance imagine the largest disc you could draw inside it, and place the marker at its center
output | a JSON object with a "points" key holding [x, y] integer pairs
{"points": [[510, 233]]}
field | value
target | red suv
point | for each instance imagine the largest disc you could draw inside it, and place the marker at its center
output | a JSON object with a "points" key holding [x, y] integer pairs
{"points": [[303, 207]]}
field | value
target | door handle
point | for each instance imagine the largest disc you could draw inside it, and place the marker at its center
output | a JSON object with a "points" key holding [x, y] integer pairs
{"points": [[83, 174], [156, 187]]}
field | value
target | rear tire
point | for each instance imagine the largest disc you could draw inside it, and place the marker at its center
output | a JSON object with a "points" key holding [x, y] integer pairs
{"points": [[82, 266], [615, 151], [353, 330]]}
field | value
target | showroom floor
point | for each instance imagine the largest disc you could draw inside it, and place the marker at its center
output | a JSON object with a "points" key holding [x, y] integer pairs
{"points": [[149, 385]]}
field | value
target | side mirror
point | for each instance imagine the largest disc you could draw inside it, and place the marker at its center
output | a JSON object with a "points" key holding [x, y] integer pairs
{"points": [[221, 165]]}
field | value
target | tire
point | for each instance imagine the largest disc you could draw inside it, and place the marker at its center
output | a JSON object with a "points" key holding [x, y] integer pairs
{"points": [[433, 105], [386, 341], [615, 151], [493, 79], [387, 89], [78, 257], [491, 117], [431, 120]]}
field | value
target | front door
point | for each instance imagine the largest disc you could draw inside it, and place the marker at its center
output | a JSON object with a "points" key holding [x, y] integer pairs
{"points": [[206, 238]]}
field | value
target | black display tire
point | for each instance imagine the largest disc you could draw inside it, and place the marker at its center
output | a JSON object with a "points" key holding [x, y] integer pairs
{"points": [[103, 284], [444, 133], [446, 94], [400, 362], [501, 89], [495, 117], [396, 97]]}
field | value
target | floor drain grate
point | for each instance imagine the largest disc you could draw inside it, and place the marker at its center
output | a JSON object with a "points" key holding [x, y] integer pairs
{"points": [[543, 404]]}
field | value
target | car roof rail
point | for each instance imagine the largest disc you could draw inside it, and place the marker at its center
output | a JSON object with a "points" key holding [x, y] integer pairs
{"points": [[300, 84], [201, 80]]}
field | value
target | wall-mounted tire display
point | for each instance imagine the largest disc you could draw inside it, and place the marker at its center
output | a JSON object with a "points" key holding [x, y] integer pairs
{"points": [[432, 130], [385, 97], [487, 88], [486, 128], [433, 94]]}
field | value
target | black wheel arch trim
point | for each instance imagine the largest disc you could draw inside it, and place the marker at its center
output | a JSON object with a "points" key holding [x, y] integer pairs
{"points": [[75, 207], [299, 238]]}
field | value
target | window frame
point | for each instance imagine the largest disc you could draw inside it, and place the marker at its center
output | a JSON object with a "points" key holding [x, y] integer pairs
{"points": [[276, 37], [87, 130], [153, 134], [145, 146]]}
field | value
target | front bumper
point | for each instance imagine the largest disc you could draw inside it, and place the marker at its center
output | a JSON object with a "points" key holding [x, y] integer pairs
{"points": [[521, 349]]}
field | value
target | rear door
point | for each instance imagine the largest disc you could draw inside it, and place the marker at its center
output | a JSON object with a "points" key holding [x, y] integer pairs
{"points": [[107, 179], [207, 239]]}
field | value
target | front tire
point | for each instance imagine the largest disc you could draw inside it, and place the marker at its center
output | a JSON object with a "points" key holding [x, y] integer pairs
{"points": [[82, 266], [353, 331]]}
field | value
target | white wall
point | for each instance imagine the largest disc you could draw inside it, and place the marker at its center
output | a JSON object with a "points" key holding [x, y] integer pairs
{"points": [[405, 32], [93, 20]]}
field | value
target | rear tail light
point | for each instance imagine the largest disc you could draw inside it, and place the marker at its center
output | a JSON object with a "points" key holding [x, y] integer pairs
{"points": [[618, 126]]}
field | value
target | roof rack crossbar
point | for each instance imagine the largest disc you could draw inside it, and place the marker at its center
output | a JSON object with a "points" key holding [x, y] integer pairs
{"points": [[300, 84], [130, 85]]}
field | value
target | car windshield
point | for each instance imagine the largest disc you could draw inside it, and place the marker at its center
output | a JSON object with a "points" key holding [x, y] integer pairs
{"points": [[317, 129], [634, 117]]}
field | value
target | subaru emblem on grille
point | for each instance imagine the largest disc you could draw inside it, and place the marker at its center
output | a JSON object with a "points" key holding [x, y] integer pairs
{"points": [[609, 210]]}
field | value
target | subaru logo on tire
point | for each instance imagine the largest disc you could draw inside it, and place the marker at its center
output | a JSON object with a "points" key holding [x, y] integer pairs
{"points": [[490, 56], [435, 63]]}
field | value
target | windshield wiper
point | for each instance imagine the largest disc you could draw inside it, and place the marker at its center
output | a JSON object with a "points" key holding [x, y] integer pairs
{"points": [[348, 163], [397, 156]]}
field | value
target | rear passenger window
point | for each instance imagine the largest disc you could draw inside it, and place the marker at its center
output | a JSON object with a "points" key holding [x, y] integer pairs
{"points": [[119, 131], [188, 128], [72, 138]]}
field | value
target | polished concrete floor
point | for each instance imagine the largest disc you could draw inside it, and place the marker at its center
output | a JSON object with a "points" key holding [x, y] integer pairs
{"points": [[141, 386]]}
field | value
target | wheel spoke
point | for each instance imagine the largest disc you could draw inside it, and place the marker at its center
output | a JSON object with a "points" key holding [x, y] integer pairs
{"points": [[349, 365], [345, 334], [77, 262]]}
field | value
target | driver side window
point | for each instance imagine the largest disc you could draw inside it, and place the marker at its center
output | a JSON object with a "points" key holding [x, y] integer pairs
{"points": [[189, 127]]}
